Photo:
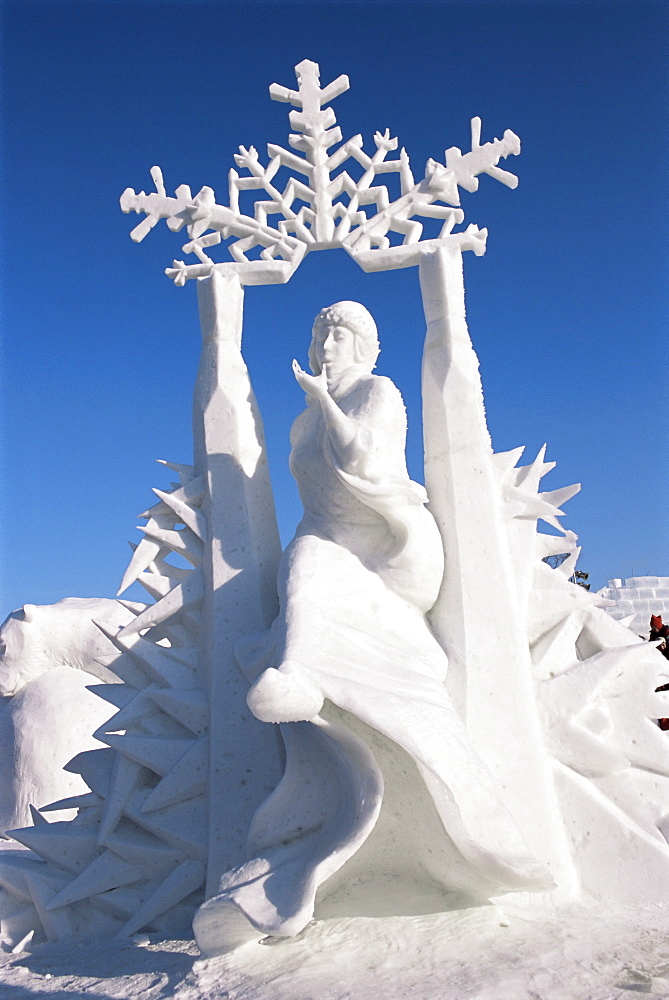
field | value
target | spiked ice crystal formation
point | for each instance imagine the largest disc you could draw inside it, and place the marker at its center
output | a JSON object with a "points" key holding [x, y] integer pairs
{"points": [[136, 853]]}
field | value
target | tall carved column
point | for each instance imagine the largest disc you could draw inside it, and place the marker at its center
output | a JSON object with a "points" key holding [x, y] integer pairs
{"points": [[240, 561], [477, 616]]}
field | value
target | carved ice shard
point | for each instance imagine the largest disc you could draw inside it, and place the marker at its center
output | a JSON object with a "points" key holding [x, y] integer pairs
{"points": [[457, 718]]}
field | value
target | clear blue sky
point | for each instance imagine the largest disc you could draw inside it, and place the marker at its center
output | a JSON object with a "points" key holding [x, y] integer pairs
{"points": [[567, 310]]}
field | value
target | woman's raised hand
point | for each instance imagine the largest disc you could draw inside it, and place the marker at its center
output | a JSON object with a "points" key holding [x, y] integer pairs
{"points": [[314, 385]]}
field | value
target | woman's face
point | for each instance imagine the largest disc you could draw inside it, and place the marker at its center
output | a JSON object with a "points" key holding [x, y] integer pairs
{"points": [[335, 347]]}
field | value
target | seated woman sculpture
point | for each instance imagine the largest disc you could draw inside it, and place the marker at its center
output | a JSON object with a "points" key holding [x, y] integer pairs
{"points": [[384, 807]]}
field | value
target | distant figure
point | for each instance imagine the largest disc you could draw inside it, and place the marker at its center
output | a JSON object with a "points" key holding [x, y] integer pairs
{"points": [[660, 631]]}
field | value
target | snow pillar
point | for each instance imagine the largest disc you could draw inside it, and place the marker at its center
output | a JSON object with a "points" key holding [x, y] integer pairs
{"points": [[240, 566], [476, 618]]}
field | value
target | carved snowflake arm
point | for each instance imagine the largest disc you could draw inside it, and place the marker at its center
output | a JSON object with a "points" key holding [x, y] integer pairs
{"points": [[382, 221], [209, 215], [406, 177], [198, 246], [260, 178], [266, 271], [199, 213], [343, 183], [309, 96], [281, 202], [351, 216], [375, 253], [296, 227], [353, 147], [158, 206], [295, 189], [233, 190], [483, 159], [287, 159], [411, 228], [441, 184], [281, 205], [358, 195], [362, 192]]}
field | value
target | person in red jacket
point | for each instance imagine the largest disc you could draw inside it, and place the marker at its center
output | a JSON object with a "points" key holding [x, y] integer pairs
{"points": [[660, 631]]}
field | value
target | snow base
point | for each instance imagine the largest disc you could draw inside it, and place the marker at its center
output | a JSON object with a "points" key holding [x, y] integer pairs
{"points": [[585, 952]]}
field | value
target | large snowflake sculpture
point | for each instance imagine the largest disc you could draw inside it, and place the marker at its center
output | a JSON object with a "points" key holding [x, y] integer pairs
{"points": [[325, 209]]}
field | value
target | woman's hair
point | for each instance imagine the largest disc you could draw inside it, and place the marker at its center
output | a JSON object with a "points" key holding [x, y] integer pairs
{"points": [[359, 321]]}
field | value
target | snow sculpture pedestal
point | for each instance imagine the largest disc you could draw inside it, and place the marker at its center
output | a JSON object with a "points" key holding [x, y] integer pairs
{"points": [[557, 699]]}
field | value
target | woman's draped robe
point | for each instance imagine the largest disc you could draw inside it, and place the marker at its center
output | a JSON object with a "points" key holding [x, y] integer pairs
{"points": [[355, 584]]}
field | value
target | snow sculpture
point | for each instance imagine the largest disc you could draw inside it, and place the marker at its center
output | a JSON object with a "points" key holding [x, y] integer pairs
{"points": [[365, 566], [553, 706], [50, 658]]}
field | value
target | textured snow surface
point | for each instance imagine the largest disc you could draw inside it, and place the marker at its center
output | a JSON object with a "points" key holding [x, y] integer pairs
{"points": [[577, 953], [641, 596]]}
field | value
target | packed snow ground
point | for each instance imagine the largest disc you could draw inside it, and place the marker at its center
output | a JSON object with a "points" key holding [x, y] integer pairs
{"points": [[594, 952]]}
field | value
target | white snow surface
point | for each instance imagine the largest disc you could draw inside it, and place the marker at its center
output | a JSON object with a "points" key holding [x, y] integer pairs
{"points": [[581, 952]]}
